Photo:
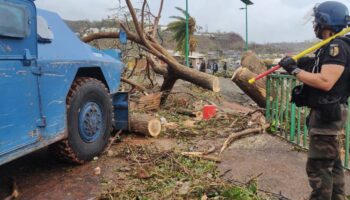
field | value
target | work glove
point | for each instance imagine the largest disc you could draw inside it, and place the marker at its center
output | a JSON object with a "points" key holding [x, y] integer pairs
{"points": [[289, 65]]}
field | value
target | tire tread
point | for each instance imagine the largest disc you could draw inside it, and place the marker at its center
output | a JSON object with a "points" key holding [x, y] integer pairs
{"points": [[62, 149]]}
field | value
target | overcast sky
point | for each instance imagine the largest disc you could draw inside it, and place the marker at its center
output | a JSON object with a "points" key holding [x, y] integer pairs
{"points": [[268, 20]]}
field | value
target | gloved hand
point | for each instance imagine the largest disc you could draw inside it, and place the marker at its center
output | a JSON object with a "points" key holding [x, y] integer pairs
{"points": [[289, 65]]}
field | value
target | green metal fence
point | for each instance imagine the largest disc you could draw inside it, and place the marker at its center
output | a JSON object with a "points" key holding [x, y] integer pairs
{"points": [[289, 121]]}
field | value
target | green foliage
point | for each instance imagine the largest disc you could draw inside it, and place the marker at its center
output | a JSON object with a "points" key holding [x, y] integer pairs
{"points": [[253, 186], [168, 174], [178, 28], [273, 127], [173, 176], [242, 193]]}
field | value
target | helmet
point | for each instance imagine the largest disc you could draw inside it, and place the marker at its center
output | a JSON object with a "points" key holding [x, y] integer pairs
{"points": [[331, 14]]}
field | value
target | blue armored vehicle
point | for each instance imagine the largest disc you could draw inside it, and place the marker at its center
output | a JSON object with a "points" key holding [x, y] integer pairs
{"points": [[55, 90]]}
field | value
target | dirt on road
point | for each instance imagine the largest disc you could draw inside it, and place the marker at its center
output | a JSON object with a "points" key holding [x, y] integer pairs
{"points": [[277, 166]]}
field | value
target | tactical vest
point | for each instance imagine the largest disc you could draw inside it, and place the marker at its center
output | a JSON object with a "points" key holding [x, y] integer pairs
{"points": [[341, 89]]}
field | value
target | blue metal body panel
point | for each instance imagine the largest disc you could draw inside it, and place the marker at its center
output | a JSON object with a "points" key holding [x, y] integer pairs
{"points": [[121, 110], [33, 103]]}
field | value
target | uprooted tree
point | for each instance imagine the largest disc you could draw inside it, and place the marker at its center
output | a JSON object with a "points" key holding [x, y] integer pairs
{"points": [[144, 36]]}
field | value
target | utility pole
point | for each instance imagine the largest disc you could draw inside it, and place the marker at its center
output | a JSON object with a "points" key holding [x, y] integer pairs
{"points": [[246, 2], [187, 35]]}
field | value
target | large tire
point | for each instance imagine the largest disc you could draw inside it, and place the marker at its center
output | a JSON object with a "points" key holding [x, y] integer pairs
{"points": [[89, 121]]}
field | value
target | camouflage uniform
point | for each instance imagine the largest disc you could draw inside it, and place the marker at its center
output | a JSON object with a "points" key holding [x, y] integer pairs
{"points": [[324, 167]]}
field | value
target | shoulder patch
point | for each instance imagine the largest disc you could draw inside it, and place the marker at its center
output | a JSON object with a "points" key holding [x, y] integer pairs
{"points": [[334, 50]]}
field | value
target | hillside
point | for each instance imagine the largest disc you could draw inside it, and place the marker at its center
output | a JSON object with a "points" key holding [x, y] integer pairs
{"points": [[210, 41], [206, 41]]}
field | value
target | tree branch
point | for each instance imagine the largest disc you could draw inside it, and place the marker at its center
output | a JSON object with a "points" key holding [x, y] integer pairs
{"points": [[157, 68], [143, 14], [139, 31], [156, 20]]}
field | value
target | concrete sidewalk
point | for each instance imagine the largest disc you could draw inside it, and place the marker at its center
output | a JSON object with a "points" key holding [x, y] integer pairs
{"points": [[281, 165]]}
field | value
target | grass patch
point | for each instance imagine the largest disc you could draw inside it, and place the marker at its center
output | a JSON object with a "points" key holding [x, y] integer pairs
{"points": [[172, 176]]}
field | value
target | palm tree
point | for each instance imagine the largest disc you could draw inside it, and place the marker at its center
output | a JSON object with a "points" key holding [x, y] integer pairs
{"points": [[178, 28]]}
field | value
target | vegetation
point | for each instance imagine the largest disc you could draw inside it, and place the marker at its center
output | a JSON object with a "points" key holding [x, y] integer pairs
{"points": [[168, 175], [155, 173], [178, 28]]}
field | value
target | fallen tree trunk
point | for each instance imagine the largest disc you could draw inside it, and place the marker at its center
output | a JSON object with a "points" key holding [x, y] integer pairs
{"points": [[157, 67], [174, 70], [145, 124], [179, 71], [256, 91], [204, 80]]}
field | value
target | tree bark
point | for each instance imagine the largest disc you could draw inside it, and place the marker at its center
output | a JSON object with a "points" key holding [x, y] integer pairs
{"points": [[181, 72], [139, 87], [157, 67], [145, 124], [201, 79], [252, 62], [256, 91], [150, 102], [204, 80], [108, 35]]}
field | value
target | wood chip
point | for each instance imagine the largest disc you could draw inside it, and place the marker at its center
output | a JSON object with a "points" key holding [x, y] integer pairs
{"points": [[189, 124]]}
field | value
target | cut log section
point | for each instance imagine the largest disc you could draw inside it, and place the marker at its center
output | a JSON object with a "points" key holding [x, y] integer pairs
{"points": [[252, 62], [150, 102], [145, 124], [256, 91], [202, 79]]}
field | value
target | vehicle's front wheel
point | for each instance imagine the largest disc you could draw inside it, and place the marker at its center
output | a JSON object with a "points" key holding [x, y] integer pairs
{"points": [[89, 121]]}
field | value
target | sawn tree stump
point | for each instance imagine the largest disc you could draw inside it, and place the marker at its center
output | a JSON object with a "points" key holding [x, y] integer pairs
{"points": [[256, 91], [145, 124]]}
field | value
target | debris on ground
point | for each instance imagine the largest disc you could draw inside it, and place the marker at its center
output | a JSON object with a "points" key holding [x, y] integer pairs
{"points": [[187, 171]]}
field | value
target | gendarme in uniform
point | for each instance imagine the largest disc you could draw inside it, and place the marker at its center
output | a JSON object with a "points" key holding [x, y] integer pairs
{"points": [[325, 89], [324, 167]]}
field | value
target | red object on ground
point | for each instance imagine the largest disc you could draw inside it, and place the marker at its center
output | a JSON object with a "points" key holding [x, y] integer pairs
{"points": [[209, 111]]}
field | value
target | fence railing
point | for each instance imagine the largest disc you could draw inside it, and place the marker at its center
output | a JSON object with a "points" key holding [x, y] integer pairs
{"points": [[289, 121]]}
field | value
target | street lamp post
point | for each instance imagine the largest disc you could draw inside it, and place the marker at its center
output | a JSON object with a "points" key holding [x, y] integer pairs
{"points": [[187, 35], [246, 2]]}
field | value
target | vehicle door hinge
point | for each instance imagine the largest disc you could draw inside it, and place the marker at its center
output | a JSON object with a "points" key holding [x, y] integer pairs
{"points": [[28, 58], [41, 122]]}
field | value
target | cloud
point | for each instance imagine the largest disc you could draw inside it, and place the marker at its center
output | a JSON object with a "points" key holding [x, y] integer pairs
{"points": [[79, 9], [268, 20]]}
